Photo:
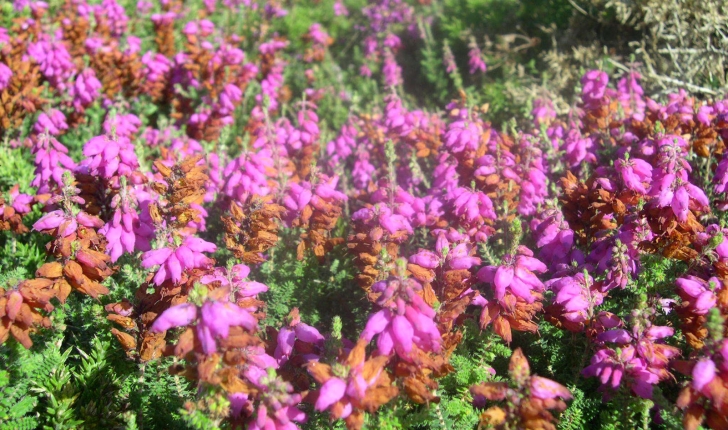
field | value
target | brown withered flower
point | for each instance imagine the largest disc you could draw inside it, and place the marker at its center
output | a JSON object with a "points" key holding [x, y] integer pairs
{"points": [[252, 229], [374, 385], [23, 308], [523, 403]]}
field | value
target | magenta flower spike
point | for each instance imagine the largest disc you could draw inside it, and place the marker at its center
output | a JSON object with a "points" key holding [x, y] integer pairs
{"points": [[5, 75], [635, 172], [214, 319], [85, 89], [405, 320], [475, 58], [174, 261], [516, 275], [703, 372]]}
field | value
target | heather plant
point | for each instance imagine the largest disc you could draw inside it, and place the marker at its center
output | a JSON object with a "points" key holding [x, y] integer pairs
{"points": [[280, 215]]}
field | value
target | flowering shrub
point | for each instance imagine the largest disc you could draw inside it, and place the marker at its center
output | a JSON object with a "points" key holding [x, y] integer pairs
{"points": [[215, 216]]}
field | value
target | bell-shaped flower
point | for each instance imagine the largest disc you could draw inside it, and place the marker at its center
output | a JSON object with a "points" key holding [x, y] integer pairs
{"points": [[405, 320], [214, 319], [173, 262], [635, 173], [516, 274]]}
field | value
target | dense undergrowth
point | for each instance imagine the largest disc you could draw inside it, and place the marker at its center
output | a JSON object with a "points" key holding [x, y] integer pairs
{"points": [[351, 214]]}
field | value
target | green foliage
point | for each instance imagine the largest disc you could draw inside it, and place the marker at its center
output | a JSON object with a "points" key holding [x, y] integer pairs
{"points": [[309, 284], [580, 412], [16, 167], [16, 406], [77, 376]]}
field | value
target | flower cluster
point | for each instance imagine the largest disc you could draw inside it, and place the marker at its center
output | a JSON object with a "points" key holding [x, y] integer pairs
{"points": [[525, 402], [203, 161]]}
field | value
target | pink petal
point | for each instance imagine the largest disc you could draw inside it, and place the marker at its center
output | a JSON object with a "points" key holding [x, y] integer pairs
{"points": [[376, 324], [176, 316], [402, 333], [503, 278], [703, 373], [680, 204], [331, 392]]}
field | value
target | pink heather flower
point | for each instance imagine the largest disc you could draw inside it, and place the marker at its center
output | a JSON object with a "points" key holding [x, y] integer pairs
{"points": [[302, 333], [340, 9], [235, 279], [113, 14], [215, 320], [395, 116], [700, 294], [53, 123], [248, 175], [533, 191], [555, 239], [475, 58], [126, 125], [614, 257], [392, 41], [720, 178], [676, 192], [611, 367], [543, 112], [332, 391], [20, 5], [228, 99], [456, 250], [578, 148], [326, 191], [594, 86], [54, 61], [462, 135], [405, 320], [516, 274], [426, 259], [341, 148], [634, 172], [172, 262], [144, 6], [640, 356], [705, 115], [5, 75], [277, 409], [448, 59], [85, 89], [363, 169], [391, 70], [347, 386], [65, 223], [126, 231], [365, 71], [318, 35], [631, 96], [191, 28], [458, 257], [156, 66], [108, 157], [382, 216], [714, 238], [411, 208], [703, 373], [50, 162], [472, 206], [272, 46], [545, 389], [307, 131], [20, 202], [577, 296]]}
